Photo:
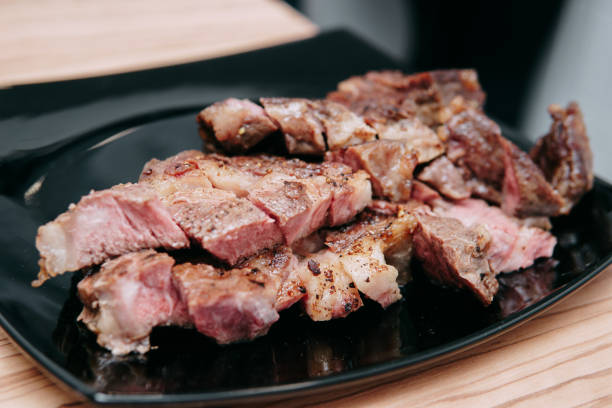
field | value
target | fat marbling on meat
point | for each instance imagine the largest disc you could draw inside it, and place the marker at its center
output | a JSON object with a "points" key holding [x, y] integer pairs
{"points": [[103, 224], [128, 297], [375, 250]]}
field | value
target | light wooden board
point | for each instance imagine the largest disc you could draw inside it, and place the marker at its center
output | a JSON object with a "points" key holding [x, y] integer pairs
{"points": [[48, 40]]}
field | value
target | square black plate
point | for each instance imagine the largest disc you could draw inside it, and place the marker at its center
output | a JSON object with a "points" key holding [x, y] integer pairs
{"points": [[59, 140]]}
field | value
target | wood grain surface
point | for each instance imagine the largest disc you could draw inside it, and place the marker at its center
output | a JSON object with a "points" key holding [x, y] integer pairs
{"points": [[561, 358], [49, 40]]}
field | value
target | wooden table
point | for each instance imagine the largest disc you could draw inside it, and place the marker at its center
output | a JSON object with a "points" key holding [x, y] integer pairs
{"points": [[561, 358]]}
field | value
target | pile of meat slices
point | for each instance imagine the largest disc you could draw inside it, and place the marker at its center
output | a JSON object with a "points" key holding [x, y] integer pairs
{"points": [[402, 166]]}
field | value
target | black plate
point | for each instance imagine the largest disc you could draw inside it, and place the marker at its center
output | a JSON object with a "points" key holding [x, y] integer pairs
{"points": [[60, 140]]}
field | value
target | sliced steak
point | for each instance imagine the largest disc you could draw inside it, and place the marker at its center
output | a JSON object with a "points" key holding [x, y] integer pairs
{"points": [[307, 124], [454, 84], [224, 224], [351, 191], [236, 304], [564, 154], [300, 125], [330, 292], [225, 175], [526, 192], [388, 162], [177, 173], [514, 245], [425, 94], [365, 263], [129, 296], [301, 196], [376, 103], [419, 138], [392, 228], [342, 127], [496, 169], [104, 224], [423, 193], [474, 145], [374, 251], [483, 190], [290, 292], [417, 91], [298, 206], [235, 124], [455, 255], [444, 177]]}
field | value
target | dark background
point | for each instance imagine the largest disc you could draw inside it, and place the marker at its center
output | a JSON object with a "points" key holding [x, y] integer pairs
{"points": [[528, 53]]}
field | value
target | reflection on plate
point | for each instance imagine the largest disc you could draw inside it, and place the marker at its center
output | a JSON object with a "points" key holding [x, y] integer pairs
{"points": [[185, 361]]}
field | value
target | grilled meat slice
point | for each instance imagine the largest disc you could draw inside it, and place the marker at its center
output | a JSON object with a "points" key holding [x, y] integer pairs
{"points": [[224, 175], [298, 206], [391, 227], [446, 178], [103, 224], [399, 107], [377, 104], [129, 296], [290, 292], [423, 193], [388, 162], [330, 292], [417, 91], [365, 263], [300, 196], [458, 87], [351, 191], [236, 304], [497, 170], [378, 95], [307, 124], [483, 190], [419, 138], [514, 245], [300, 125], [474, 144], [455, 255], [342, 127], [235, 124], [564, 154], [374, 251], [216, 219], [177, 173], [526, 192], [224, 224]]}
